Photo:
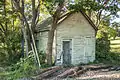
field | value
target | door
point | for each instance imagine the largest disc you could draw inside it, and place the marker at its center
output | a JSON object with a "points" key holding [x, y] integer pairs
{"points": [[66, 53]]}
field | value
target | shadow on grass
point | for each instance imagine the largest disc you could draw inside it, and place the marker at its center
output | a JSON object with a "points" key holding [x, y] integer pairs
{"points": [[115, 43]]}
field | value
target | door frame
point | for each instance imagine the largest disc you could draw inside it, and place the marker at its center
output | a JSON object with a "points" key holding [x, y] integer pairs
{"points": [[71, 46]]}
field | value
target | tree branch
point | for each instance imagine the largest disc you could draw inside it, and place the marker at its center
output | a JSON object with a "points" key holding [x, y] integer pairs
{"points": [[103, 18], [2, 27], [34, 13], [20, 10], [37, 12]]}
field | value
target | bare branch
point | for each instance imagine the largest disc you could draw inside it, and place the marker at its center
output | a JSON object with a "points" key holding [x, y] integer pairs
{"points": [[34, 14], [100, 12], [2, 27], [38, 5], [37, 19], [103, 18], [37, 12], [20, 10]]}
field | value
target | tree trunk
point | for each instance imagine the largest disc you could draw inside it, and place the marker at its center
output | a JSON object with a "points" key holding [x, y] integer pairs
{"points": [[50, 43], [24, 31], [25, 38], [69, 72], [47, 73], [32, 27], [30, 31], [56, 17]]}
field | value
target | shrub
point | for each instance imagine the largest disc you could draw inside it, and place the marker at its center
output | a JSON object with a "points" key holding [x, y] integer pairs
{"points": [[24, 68], [10, 47], [102, 47], [103, 53], [42, 57]]}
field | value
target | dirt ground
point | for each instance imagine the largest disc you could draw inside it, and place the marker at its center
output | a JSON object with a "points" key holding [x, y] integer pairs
{"points": [[100, 75]]}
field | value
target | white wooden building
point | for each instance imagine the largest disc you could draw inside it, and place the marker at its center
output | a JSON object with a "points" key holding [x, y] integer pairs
{"points": [[74, 40]]}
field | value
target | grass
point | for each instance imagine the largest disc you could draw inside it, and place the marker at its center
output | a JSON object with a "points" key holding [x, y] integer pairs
{"points": [[115, 45]]}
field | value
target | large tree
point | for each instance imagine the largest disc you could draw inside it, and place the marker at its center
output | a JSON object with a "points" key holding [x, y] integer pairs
{"points": [[29, 18], [56, 9], [10, 33]]}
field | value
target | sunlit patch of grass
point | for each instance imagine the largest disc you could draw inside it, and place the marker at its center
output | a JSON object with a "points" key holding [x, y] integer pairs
{"points": [[115, 41], [115, 45]]}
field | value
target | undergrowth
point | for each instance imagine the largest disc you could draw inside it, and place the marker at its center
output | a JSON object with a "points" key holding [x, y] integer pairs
{"points": [[25, 68], [103, 53]]}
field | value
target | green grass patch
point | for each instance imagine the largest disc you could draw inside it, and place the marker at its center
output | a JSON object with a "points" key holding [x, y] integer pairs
{"points": [[115, 45]]}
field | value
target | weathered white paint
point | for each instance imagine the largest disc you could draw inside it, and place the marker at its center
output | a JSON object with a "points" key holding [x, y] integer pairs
{"points": [[43, 41], [82, 35], [43, 37], [77, 29]]}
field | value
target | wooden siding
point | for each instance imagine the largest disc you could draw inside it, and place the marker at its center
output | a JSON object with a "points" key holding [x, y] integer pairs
{"points": [[77, 28]]}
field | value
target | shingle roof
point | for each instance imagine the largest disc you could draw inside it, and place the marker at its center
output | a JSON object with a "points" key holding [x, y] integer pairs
{"points": [[46, 24]]}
